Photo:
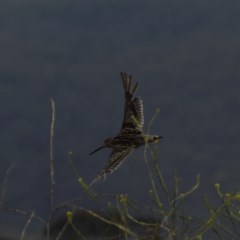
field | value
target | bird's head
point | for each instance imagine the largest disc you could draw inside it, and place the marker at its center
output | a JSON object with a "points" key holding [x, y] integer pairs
{"points": [[155, 138]]}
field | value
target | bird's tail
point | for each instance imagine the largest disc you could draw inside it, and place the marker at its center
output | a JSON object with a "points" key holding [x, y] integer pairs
{"points": [[127, 84]]}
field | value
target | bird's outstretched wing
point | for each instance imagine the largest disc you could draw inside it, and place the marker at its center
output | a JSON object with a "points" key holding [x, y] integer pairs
{"points": [[133, 108], [115, 159]]}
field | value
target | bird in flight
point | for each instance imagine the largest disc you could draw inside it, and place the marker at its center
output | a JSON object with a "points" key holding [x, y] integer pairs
{"points": [[130, 136]]}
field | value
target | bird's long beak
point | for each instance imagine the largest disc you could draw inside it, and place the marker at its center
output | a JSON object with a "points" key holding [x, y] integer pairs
{"points": [[103, 146]]}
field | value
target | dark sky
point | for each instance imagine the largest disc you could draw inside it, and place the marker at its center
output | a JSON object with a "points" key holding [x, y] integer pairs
{"points": [[185, 56]]}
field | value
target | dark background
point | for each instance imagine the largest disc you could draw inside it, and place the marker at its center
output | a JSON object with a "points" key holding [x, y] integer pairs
{"points": [[184, 54]]}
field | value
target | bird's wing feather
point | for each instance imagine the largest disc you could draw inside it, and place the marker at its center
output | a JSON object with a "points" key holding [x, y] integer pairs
{"points": [[115, 159], [133, 109], [138, 107]]}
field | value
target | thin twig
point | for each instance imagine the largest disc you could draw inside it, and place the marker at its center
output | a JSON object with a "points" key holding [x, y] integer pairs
{"points": [[26, 225], [154, 189], [60, 234], [4, 186], [160, 175], [191, 190], [52, 172], [121, 227], [125, 229], [24, 213], [77, 231], [173, 207]]}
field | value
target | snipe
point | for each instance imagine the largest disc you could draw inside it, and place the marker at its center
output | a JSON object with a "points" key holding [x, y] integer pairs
{"points": [[130, 136]]}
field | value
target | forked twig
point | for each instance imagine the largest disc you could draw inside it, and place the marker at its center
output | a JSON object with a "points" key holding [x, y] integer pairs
{"points": [[26, 225]]}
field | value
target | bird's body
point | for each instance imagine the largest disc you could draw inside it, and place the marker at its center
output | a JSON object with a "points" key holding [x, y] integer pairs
{"points": [[130, 136]]}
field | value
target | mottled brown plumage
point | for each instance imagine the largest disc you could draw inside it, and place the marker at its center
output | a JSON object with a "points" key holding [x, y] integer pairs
{"points": [[130, 136]]}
